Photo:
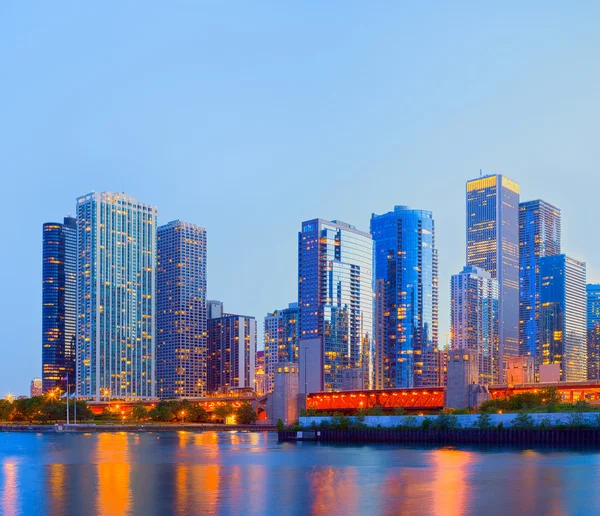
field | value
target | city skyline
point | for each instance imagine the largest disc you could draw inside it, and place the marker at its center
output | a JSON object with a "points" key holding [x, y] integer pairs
{"points": [[167, 119]]}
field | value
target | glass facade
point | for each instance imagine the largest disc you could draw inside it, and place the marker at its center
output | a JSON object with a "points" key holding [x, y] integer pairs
{"points": [[406, 299], [563, 316], [59, 303], [593, 331], [493, 245], [231, 352], [335, 296], [116, 248], [181, 343], [539, 236], [280, 340], [474, 319]]}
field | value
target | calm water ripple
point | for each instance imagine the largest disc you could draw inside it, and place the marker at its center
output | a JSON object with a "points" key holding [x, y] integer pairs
{"points": [[250, 473]]}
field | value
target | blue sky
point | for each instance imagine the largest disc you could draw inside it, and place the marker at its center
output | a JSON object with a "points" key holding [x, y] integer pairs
{"points": [[249, 117]]}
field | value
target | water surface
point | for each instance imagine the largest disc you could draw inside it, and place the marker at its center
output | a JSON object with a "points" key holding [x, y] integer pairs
{"points": [[250, 473]]}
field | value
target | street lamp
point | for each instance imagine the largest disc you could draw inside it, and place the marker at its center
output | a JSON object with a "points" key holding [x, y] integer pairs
{"points": [[122, 417], [182, 416]]}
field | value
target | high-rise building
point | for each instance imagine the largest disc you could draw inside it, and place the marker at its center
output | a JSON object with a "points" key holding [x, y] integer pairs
{"points": [[406, 299], [474, 319], [280, 340], [59, 303], [493, 245], [231, 352], [260, 378], [335, 295], [539, 236], [116, 278], [563, 316], [593, 331], [181, 340], [35, 388]]}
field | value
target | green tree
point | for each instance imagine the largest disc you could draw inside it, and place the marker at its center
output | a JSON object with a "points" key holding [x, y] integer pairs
{"points": [[245, 414], [484, 420], [28, 409], [164, 411], [84, 412], [280, 426], [446, 421], [223, 411], [522, 421], [139, 413], [377, 410], [6, 410]]}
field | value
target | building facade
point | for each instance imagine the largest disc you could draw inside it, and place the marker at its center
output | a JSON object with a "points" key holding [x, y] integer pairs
{"points": [[280, 340], [59, 303], [474, 319], [406, 299], [335, 295], [563, 317], [116, 279], [493, 245], [35, 389], [181, 338], [593, 330], [260, 377], [231, 352], [539, 236]]}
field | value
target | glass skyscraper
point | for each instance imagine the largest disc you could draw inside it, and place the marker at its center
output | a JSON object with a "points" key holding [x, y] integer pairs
{"points": [[59, 303], [335, 296], [116, 280], [493, 245], [563, 317], [181, 342], [593, 331], [280, 340], [474, 319], [539, 236], [406, 299], [231, 352]]}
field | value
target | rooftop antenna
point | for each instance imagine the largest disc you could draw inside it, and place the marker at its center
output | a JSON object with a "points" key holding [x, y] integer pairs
{"points": [[480, 173]]}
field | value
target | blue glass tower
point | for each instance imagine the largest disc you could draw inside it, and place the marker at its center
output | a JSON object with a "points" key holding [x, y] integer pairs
{"points": [[593, 331], [280, 340], [335, 296], [181, 347], [493, 245], [563, 317], [539, 236], [59, 303], [406, 299]]}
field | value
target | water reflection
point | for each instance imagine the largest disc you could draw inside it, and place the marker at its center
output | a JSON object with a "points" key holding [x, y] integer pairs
{"points": [[114, 470], [10, 506], [451, 488]]}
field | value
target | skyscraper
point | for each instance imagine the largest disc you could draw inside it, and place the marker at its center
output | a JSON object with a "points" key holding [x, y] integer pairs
{"points": [[59, 303], [474, 319], [539, 236], [563, 316], [406, 299], [335, 295], [493, 245], [593, 331], [280, 340], [231, 351], [181, 344], [116, 247]]}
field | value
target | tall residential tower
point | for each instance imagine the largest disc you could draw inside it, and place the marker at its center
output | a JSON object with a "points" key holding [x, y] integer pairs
{"points": [[116, 248], [181, 343], [335, 296], [280, 340], [406, 299], [593, 331], [59, 303], [493, 245]]}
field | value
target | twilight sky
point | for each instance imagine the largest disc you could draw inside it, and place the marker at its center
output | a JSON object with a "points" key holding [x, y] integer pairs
{"points": [[250, 117]]}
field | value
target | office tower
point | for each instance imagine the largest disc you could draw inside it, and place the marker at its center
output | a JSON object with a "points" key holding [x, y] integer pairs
{"points": [[116, 247], [493, 245], [593, 331], [563, 316], [59, 303], [181, 340], [539, 236], [406, 299], [474, 319], [214, 309], [260, 378], [335, 295], [35, 389], [231, 351], [280, 340]]}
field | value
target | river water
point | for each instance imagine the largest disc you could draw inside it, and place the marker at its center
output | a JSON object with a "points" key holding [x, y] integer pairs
{"points": [[250, 473]]}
